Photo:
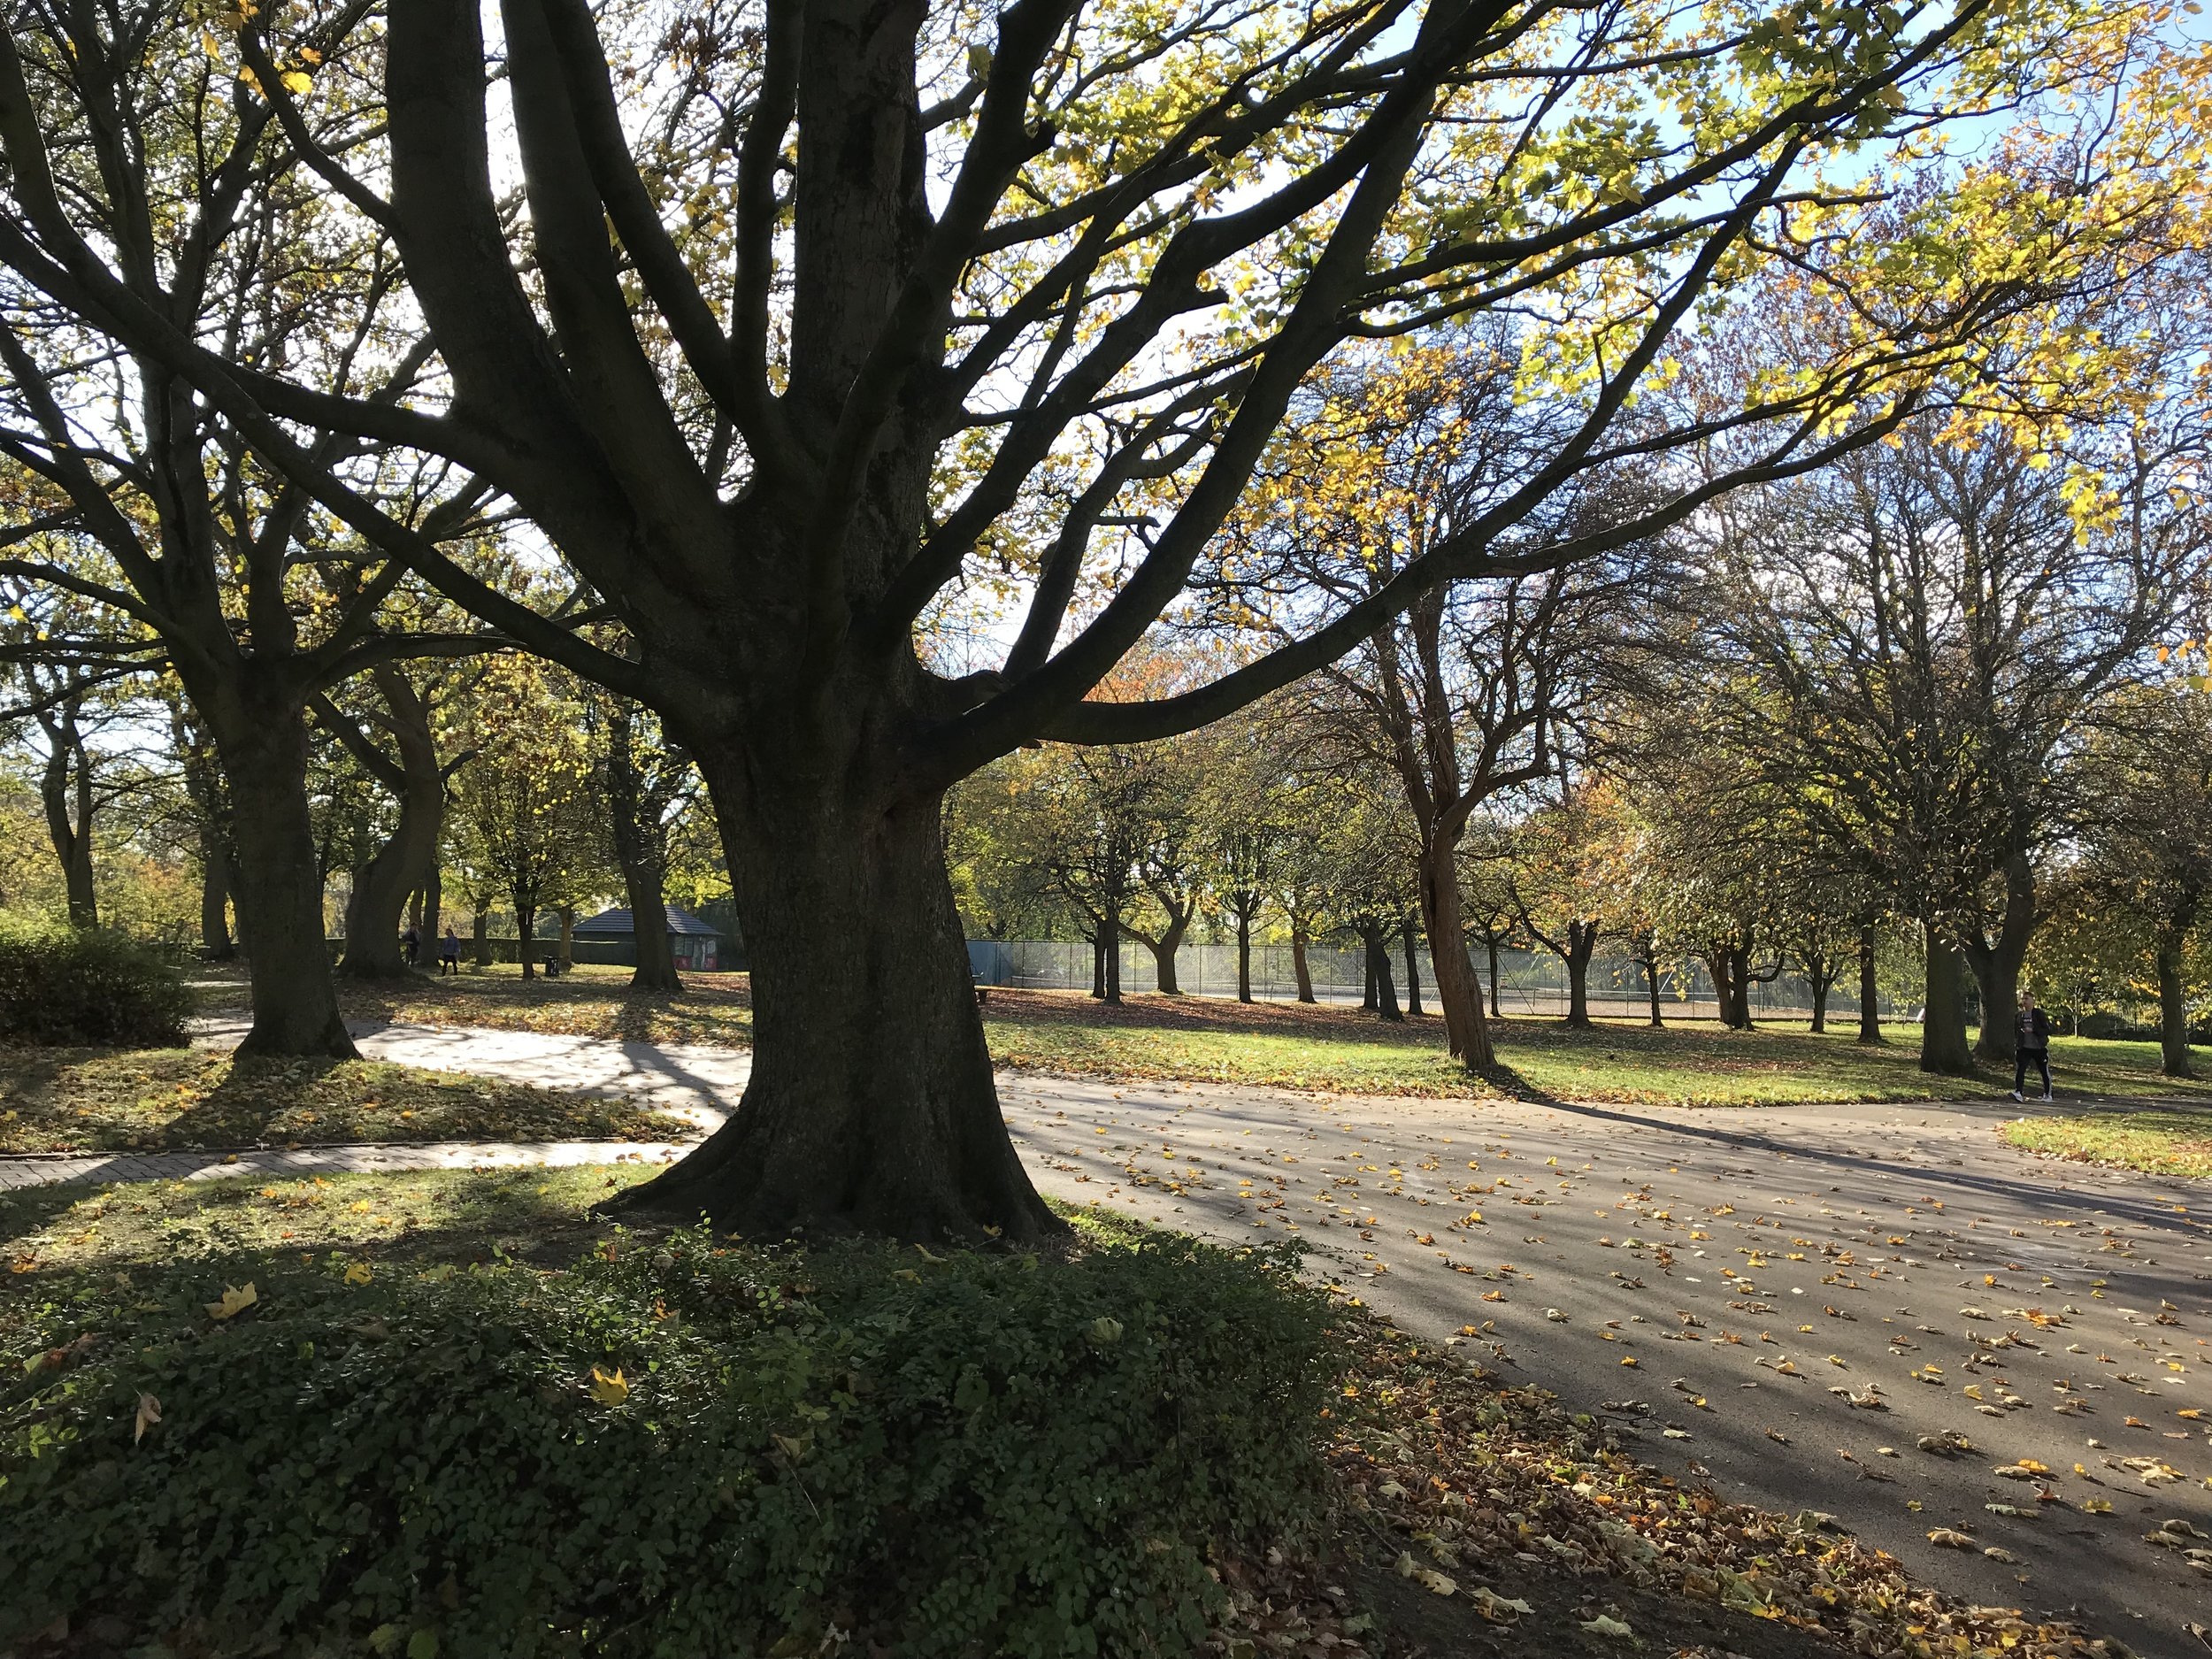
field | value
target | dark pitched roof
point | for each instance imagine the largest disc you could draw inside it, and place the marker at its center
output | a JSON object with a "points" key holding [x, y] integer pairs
{"points": [[618, 924]]}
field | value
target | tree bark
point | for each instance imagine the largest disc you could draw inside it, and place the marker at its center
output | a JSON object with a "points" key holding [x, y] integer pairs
{"points": [[1458, 990], [1301, 969], [525, 931], [1110, 941], [872, 1106], [1495, 1012], [1869, 997], [567, 915], [279, 894], [1582, 939], [480, 932], [639, 852], [1244, 954], [2173, 1007], [1943, 1025], [1413, 969], [66, 784], [1385, 1001], [1997, 962], [1820, 1004], [1651, 990], [215, 902], [390, 882], [1098, 962], [1164, 945]]}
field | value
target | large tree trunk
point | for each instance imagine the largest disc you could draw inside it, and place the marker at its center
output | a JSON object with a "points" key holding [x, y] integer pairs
{"points": [[872, 1106], [1300, 968], [2173, 1007], [1997, 962], [1820, 1002], [215, 901], [1458, 990], [1943, 1024], [280, 892], [1098, 962], [655, 968], [1869, 997], [1164, 945]]}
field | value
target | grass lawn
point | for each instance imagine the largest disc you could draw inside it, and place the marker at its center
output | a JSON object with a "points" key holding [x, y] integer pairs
{"points": [[60, 1099], [1328, 1050], [2162, 1142], [396, 1321]]}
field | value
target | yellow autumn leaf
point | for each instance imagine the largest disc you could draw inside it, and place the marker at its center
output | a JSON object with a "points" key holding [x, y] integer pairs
{"points": [[609, 1391], [235, 1301], [296, 82], [358, 1273], [148, 1414]]}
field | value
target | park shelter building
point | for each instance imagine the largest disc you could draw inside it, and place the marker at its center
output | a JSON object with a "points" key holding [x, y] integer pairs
{"points": [[696, 946]]}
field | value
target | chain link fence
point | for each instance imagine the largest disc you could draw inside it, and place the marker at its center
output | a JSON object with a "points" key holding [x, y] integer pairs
{"points": [[1531, 983]]}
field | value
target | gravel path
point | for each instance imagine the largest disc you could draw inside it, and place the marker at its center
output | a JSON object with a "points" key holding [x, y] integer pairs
{"points": [[1804, 1304]]}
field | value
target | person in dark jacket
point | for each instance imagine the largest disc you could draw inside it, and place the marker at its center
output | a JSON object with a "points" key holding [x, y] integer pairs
{"points": [[2031, 1042]]}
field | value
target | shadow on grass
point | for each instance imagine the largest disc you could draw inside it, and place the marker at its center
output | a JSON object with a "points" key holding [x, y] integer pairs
{"points": [[231, 1226]]}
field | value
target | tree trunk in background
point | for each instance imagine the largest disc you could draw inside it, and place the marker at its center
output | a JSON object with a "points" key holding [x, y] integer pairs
{"points": [[1869, 996], [1943, 1025], [1496, 1013], [1379, 970], [871, 1106], [480, 932], [1651, 989], [204, 786], [1244, 954], [1458, 990], [215, 904], [2173, 1007], [1300, 968], [1582, 940], [66, 780], [1820, 1004], [390, 884], [1413, 969], [1996, 962], [567, 914], [525, 933], [1367, 1003], [280, 891], [433, 902], [1098, 962], [640, 855], [1163, 947], [1110, 944]]}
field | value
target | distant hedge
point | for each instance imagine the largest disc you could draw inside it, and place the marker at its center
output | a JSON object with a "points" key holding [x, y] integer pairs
{"points": [[693, 1448], [70, 985]]}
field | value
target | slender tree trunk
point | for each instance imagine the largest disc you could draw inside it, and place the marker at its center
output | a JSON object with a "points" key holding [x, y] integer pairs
{"points": [[480, 932], [1413, 969], [1491, 946], [1098, 962], [1458, 990], [1300, 968], [1651, 990], [433, 902], [1996, 962], [2173, 1007], [66, 777], [1739, 985], [1943, 1027], [1244, 954], [280, 891], [639, 848], [1870, 996], [526, 933], [215, 902], [1820, 1002], [871, 1106], [567, 915], [1111, 944], [387, 887]]}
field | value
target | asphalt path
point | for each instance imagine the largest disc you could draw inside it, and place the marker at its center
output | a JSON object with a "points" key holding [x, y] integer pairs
{"points": [[1880, 1312]]}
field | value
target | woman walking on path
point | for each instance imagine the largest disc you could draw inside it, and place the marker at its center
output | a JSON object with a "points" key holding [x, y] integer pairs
{"points": [[2031, 1041]]}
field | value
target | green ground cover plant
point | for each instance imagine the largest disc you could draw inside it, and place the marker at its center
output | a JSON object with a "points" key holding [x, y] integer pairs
{"points": [[67, 985], [508, 1426], [670, 1446], [2160, 1142], [61, 1099]]}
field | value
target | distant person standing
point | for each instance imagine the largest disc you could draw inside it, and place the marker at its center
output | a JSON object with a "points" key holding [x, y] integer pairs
{"points": [[410, 945], [2032, 1041], [450, 955]]}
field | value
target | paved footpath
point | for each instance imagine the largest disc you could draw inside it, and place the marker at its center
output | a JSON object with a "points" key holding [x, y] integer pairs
{"points": [[1805, 1304]]}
